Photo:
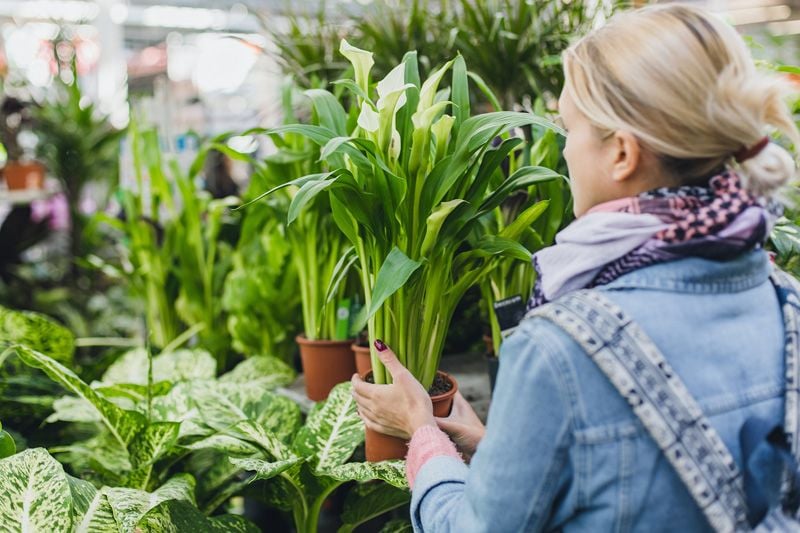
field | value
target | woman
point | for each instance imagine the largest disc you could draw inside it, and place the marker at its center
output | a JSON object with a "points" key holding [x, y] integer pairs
{"points": [[669, 164]]}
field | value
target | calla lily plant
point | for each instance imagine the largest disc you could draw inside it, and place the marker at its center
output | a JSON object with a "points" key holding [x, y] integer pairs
{"points": [[411, 179]]}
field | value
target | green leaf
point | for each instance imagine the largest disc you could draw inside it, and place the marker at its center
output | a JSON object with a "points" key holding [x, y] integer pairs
{"points": [[395, 271], [82, 493], [265, 371], [434, 223], [223, 443], [267, 440], [460, 93], [35, 493], [369, 500], [305, 195], [130, 505], [38, 332], [392, 472], [330, 113], [333, 432], [265, 469], [175, 516], [340, 271], [177, 366], [524, 220], [124, 425], [157, 440], [522, 178], [397, 526]]}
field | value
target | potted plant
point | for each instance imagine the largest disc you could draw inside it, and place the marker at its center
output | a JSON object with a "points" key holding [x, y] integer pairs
{"points": [[412, 176], [318, 249], [19, 171], [510, 283]]}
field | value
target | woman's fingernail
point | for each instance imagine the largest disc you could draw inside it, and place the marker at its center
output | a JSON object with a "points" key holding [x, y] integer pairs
{"points": [[379, 345]]}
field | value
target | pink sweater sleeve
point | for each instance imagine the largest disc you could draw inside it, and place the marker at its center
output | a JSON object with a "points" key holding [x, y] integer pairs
{"points": [[426, 443]]}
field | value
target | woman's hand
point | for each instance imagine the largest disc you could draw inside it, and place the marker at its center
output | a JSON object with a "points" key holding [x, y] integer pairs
{"points": [[398, 409], [463, 426]]}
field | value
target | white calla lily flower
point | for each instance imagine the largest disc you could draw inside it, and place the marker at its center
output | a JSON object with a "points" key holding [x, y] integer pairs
{"points": [[368, 119], [391, 84], [361, 60]]}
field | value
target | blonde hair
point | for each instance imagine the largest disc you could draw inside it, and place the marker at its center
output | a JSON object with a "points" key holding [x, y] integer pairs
{"points": [[683, 81]]}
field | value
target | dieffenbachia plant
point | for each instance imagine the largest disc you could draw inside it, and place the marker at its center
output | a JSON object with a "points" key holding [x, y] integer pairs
{"points": [[545, 207], [39, 496], [299, 476], [410, 179]]}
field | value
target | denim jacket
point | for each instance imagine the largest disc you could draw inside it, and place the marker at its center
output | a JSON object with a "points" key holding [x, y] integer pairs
{"points": [[564, 451]]}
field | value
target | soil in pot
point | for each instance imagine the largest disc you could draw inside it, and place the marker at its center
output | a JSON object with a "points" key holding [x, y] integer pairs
{"points": [[380, 447], [362, 358], [325, 364], [21, 176]]}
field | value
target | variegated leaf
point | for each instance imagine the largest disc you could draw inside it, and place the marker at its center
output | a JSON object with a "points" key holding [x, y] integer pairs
{"points": [[392, 472], [223, 443], [35, 493], [269, 442], [224, 404], [129, 505], [265, 469], [157, 439], [82, 493], [131, 391], [98, 517], [178, 517], [37, 332], [265, 371], [100, 454], [73, 409], [177, 366], [177, 406], [366, 501], [333, 432], [122, 424]]}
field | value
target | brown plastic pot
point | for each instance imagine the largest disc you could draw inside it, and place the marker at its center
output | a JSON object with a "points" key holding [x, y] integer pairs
{"points": [[20, 176], [363, 360], [380, 447], [325, 364]]}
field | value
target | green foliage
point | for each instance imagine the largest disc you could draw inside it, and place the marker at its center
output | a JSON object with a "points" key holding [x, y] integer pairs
{"points": [[410, 187], [37, 331], [7, 445], [304, 473]]}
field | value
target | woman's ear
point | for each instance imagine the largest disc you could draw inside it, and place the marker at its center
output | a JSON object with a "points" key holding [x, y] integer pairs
{"points": [[626, 155]]}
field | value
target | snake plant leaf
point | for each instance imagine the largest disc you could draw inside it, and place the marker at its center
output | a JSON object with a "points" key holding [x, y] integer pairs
{"points": [[175, 516], [123, 425], [524, 220], [177, 366], [392, 472], [129, 505], [333, 432], [38, 332], [266, 371], [36, 493], [434, 223], [394, 272], [368, 500], [265, 469], [397, 526]]}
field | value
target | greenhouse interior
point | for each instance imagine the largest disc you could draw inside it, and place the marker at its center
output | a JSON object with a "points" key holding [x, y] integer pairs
{"points": [[399, 265]]}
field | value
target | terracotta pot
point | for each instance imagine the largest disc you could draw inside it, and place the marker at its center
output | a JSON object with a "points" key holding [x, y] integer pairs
{"points": [[380, 447], [489, 343], [325, 364], [19, 176], [363, 360]]}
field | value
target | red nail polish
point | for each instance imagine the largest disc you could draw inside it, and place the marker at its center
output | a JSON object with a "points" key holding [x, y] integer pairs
{"points": [[380, 345]]}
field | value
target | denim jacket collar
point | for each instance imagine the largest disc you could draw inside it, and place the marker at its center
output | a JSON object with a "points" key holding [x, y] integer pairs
{"points": [[696, 275]]}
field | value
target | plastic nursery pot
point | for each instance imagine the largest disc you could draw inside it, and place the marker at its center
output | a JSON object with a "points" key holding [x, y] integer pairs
{"points": [[325, 364], [20, 176], [380, 447], [362, 357]]}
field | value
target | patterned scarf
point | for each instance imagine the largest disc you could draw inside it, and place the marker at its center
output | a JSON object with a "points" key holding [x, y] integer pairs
{"points": [[717, 222]]}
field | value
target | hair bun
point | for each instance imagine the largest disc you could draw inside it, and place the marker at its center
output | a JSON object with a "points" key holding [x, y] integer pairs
{"points": [[769, 170]]}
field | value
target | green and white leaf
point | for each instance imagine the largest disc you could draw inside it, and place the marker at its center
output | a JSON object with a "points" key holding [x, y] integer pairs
{"points": [[177, 516], [225, 444], [177, 366], [265, 469], [263, 370], [333, 432], [35, 493], [38, 332], [392, 472], [129, 505]]}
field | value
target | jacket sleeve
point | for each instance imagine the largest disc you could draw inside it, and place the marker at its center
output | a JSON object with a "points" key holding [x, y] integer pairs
{"points": [[522, 462]]}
